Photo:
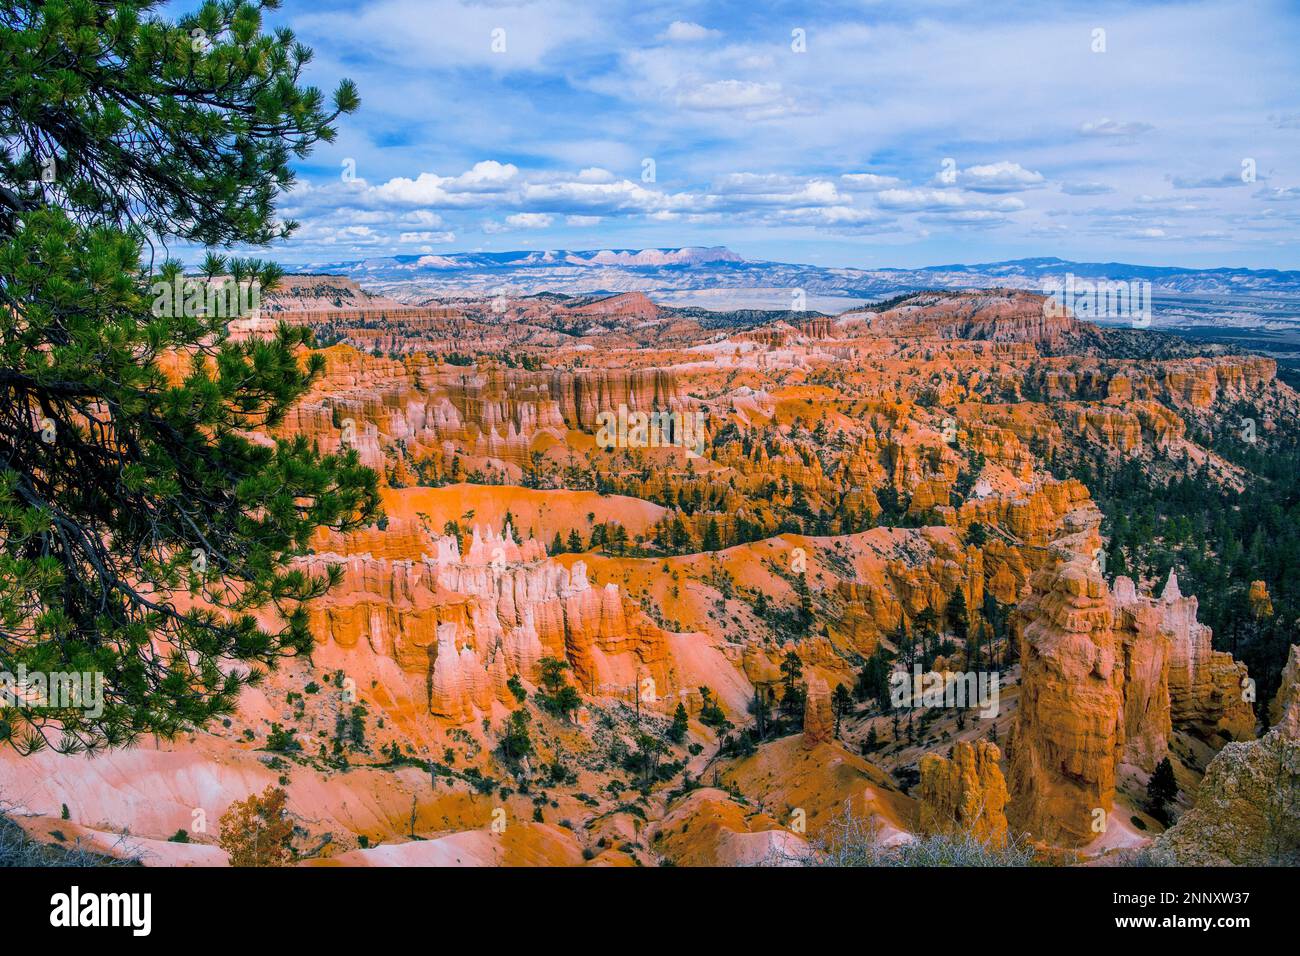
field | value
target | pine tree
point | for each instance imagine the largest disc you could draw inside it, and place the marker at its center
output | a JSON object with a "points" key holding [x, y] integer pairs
{"points": [[806, 615], [681, 724], [792, 697], [516, 742], [557, 544], [958, 618], [1162, 789], [841, 703], [712, 537], [127, 476]]}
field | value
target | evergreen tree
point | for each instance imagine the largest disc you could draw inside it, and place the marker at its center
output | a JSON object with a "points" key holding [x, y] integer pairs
{"points": [[758, 707], [516, 742], [567, 701], [712, 537], [552, 673], [126, 472], [681, 724], [958, 618], [792, 697], [1162, 789], [805, 610], [841, 703], [873, 680], [872, 743]]}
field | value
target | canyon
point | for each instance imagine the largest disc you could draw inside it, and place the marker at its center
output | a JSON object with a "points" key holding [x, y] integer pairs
{"points": [[688, 631]]}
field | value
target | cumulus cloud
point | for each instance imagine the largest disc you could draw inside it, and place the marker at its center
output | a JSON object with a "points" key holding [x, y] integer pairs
{"points": [[775, 190], [999, 177], [753, 99], [620, 195], [688, 32], [844, 138]]}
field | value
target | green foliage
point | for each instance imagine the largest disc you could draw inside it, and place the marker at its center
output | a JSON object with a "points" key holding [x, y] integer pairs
{"points": [[1216, 539], [127, 473], [567, 700], [181, 128], [516, 743], [712, 537], [841, 704], [552, 673], [681, 724], [874, 679], [516, 688], [281, 740], [711, 712]]}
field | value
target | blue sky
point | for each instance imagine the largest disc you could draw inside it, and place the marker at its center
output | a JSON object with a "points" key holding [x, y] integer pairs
{"points": [[855, 134]]}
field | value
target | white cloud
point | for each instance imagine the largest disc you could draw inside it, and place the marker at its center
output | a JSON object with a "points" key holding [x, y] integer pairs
{"points": [[1279, 193], [529, 220], [999, 177], [685, 31], [620, 195], [928, 200], [870, 182], [412, 238], [777, 190], [729, 95]]}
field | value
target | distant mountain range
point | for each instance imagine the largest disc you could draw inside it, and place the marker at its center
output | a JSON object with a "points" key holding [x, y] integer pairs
{"points": [[717, 278]]}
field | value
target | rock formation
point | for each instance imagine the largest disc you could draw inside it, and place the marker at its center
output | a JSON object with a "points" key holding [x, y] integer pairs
{"points": [[1069, 728], [469, 624], [964, 794], [1247, 810], [1106, 676], [818, 719], [1207, 688]]}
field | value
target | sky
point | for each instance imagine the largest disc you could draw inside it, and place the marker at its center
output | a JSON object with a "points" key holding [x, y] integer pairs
{"points": [[838, 134]]}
